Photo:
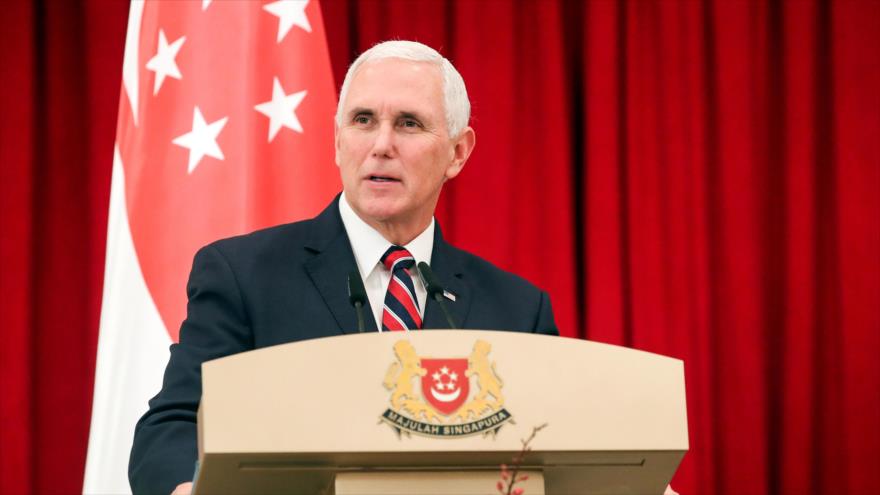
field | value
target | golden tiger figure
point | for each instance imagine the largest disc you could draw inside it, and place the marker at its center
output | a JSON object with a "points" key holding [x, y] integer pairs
{"points": [[487, 379]]}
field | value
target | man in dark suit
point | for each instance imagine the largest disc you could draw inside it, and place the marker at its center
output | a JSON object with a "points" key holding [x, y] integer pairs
{"points": [[401, 132]]}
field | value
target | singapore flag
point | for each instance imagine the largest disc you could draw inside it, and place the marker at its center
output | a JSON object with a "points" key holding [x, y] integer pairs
{"points": [[225, 126]]}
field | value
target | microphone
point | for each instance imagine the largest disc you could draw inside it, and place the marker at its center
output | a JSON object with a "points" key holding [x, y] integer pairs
{"points": [[357, 296], [435, 291]]}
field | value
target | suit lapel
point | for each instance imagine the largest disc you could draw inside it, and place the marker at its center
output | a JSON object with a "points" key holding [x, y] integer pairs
{"points": [[329, 268], [446, 264], [333, 260]]}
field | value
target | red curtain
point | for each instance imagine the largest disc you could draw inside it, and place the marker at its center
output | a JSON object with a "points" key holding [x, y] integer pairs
{"points": [[697, 179], [62, 70]]}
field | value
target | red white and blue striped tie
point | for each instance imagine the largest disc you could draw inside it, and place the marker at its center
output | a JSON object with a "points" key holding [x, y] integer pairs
{"points": [[401, 305]]}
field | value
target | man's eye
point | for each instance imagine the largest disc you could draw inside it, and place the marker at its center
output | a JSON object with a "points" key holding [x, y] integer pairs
{"points": [[362, 119], [410, 123]]}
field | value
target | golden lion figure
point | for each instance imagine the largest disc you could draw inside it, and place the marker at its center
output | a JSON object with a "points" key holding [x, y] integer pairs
{"points": [[400, 374], [399, 378], [487, 379]]}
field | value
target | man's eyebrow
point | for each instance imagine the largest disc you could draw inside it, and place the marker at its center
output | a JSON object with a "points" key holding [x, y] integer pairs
{"points": [[406, 114], [411, 115], [360, 111]]}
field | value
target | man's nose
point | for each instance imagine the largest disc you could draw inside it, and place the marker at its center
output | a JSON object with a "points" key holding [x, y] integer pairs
{"points": [[383, 146]]}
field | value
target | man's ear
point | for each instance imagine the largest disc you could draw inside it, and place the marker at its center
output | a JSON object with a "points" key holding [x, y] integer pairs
{"points": [[461, 151], [336, 142]]}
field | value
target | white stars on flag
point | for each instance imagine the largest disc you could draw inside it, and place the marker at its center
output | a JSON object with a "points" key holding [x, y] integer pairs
{"points": [[172, 137], [281, 110], [163, 63], [201, 140], [289, 13]]}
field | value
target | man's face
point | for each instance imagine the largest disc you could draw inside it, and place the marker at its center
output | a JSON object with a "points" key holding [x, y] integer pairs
{"points": [[392, 146]]}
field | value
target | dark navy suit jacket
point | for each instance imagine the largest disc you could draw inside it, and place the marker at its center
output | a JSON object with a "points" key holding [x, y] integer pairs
{"points": [[289, 283]]}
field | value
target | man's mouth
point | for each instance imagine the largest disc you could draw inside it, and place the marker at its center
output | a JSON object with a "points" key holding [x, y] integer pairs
{"points": [[383, 178]]}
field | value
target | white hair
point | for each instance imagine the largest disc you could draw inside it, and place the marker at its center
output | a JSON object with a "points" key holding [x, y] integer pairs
{"points": [[455, 98]]}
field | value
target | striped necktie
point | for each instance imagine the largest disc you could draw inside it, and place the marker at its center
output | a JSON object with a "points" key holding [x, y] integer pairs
{"points": [[401, 306]]}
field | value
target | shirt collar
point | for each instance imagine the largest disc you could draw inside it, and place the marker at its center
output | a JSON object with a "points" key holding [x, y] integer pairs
{"points": [[368, 244]]}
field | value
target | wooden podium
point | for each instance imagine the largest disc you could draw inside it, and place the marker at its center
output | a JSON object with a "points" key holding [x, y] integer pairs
{"points": [[370, 414]]}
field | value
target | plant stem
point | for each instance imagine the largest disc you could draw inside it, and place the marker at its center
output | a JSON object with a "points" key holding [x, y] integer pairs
{"points": [[518, 460]]}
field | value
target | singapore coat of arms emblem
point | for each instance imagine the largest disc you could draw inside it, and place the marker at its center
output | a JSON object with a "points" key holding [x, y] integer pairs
{"points": [[434, 397]]}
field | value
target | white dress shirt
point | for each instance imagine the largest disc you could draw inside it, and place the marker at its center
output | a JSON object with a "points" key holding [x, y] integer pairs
{"points": [[368, 246]]}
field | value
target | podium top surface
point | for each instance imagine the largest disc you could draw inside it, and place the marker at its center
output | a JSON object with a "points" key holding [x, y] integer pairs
{"points": [[442, 391]]}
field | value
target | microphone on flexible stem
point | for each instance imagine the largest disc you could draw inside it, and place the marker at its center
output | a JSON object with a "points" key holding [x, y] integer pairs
{"points": [[357, 296], [435, 291]]}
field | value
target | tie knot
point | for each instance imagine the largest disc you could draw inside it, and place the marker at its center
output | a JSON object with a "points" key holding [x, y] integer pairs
{"points": [[397, 257]]}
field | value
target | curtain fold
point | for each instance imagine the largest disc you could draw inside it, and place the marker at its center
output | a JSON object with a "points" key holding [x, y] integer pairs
{"points": [[696, 179], [61, 66]]}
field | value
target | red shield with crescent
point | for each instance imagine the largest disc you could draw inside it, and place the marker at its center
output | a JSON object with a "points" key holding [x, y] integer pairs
{"points": [[444, 386]]}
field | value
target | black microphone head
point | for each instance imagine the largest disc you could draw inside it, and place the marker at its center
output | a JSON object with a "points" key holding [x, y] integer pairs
{"points": [[356, 291], [435, 290], [432, 285]]}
